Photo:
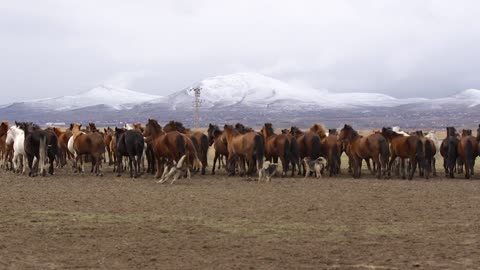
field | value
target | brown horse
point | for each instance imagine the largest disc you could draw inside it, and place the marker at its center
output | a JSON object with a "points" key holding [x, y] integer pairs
{"points": [[63, 137], [410, 147], [430, 150], [4, 126], [277, 147], [333, 148], [309, 144], [92, 127], [373, 146], [467, 151], [216, 138], [448, 150], [88, 144], [107, 138], [199, 139], [246, 147], [166, 146]]}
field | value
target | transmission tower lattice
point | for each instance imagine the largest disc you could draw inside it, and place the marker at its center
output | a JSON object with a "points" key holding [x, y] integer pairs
{"points": [[197, 103]]}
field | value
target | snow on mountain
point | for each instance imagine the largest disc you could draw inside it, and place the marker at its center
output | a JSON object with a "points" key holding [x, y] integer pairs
{"points": [[468, 98], [253, 89], [115, 98]]}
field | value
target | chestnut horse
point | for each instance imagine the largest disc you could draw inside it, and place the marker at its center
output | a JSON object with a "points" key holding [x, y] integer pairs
{"points": [[199, 139], [63, 153], [107, 138], [88, 144], [410, 147], [333, 148], [166, 146], [246, 147], [216, 138], [373, 146], [4, 126], [277, 146], [467, 151], [448, 150]]}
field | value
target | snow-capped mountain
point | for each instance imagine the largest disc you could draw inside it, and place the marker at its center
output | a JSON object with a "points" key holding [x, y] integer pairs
{"points": [[251, 98], [256, 90], [115, 98]]}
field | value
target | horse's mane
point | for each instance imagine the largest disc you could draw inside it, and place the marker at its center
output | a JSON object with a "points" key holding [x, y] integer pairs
{"points": [[269, 128], [154, 124], [233, 129], [175, 125], [242, 129]]}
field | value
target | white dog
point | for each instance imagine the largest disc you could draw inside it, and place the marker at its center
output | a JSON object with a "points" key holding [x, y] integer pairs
{"points": [[177, 170], [316, 166], [267, 171]]}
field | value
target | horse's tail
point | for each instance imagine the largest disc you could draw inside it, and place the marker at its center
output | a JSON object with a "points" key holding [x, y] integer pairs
{"points": [[181, 145], [316, 147], [469, 158], [259, 151], [451, 153], [420, 155], [428, 157], [42, 151], [204, 148], [384, 153], [333, 159], [295, 151], [287, 153]]}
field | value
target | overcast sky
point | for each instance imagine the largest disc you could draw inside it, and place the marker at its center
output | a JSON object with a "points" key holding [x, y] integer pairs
{"points": [[401, 48]]}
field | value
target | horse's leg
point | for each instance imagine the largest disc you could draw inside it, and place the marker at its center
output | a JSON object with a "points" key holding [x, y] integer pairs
{"points": [[413, 163], [130, 166], [434, 166], [402, 168], [30, 165], [377, 165], [242, 166], [215, 162], [284, 166], [467, 168]]}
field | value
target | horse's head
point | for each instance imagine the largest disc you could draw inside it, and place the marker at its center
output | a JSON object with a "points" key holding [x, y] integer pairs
{"points": [[92, 127], [466, 132], [285, 131], [347, 133], [152, 128], [119, 132], [319, 129], [332, 131], [242, 129], [3, 128], [419, 133], [76, 128], [267, 129], [451, 131], [213, 132], [27, 127]]}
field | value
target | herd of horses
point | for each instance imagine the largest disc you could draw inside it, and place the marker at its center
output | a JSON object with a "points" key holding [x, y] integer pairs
{"points": [[176, 151]]}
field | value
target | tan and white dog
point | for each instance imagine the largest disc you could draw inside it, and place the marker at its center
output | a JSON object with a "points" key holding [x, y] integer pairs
{"points": [[317, 166]]}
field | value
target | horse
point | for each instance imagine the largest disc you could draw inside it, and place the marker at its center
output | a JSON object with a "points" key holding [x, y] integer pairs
{"points": [[448, 150], [52, 149], [467, 151], [333, 151], [247, 147], [373, 146], [166, 146], [16, 136], [62, 138], [277, 147], [35, 146], [92, 128], [410, 147], [216, 138], [430, 149], [130, 143], [4, 126], [197, 137], [309, 144], [88, 144], [243, 129], [107, 138]]}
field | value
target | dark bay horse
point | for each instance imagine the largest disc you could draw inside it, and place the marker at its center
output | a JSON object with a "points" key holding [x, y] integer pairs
{"points": [[467, 152], [52, 149], [309, 144], [373, 146], [430, 150], [448, 150], [63, 137], [130, 143], [219, 143], [246, 147], [199, 139], [277, 146], [4, 126], [88, 144], [35, 147], [405, 147]]}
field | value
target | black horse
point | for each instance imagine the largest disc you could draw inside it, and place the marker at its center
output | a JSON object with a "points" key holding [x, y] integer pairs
{"points": [[35, 147], [52, 149], [130, 143]]}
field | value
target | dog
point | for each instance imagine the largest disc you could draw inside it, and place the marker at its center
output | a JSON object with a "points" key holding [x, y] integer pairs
{"points": [[267, 171], [317, 166], [177, 170]]}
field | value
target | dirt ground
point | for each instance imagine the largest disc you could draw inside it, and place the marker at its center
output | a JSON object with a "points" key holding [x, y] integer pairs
{"points": [[69, 221]]}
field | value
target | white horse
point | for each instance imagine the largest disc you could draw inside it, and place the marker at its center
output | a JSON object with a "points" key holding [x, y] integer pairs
{"points": [[398, 131], [17, 136]]}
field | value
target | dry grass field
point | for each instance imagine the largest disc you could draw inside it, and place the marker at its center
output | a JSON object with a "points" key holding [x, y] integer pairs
{"points": [[71, 221]]}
